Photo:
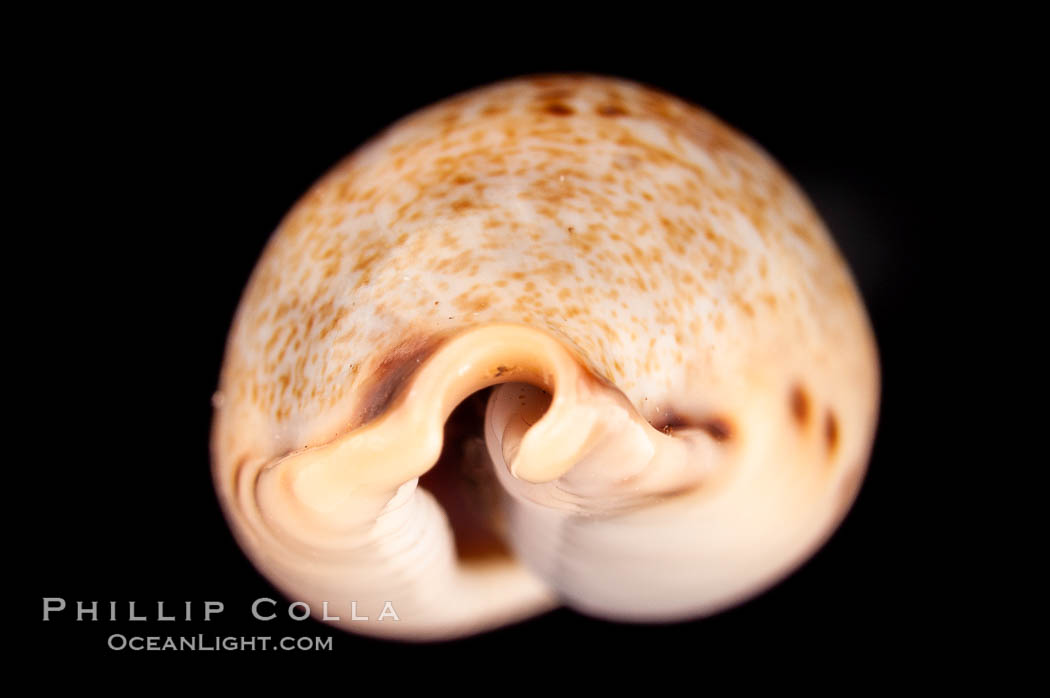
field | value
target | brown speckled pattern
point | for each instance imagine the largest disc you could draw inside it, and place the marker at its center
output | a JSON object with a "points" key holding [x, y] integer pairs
{"points": [[669, 250]]}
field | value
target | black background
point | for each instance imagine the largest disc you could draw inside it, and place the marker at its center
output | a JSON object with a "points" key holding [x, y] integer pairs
{"points": [[161, 174]]}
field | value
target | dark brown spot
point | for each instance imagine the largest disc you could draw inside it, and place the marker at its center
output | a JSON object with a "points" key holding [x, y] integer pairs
{"points": [[799, 401], [611, 110], [669, 421], [831, 431], [718, 428], [559, 109], [387, 379]]}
